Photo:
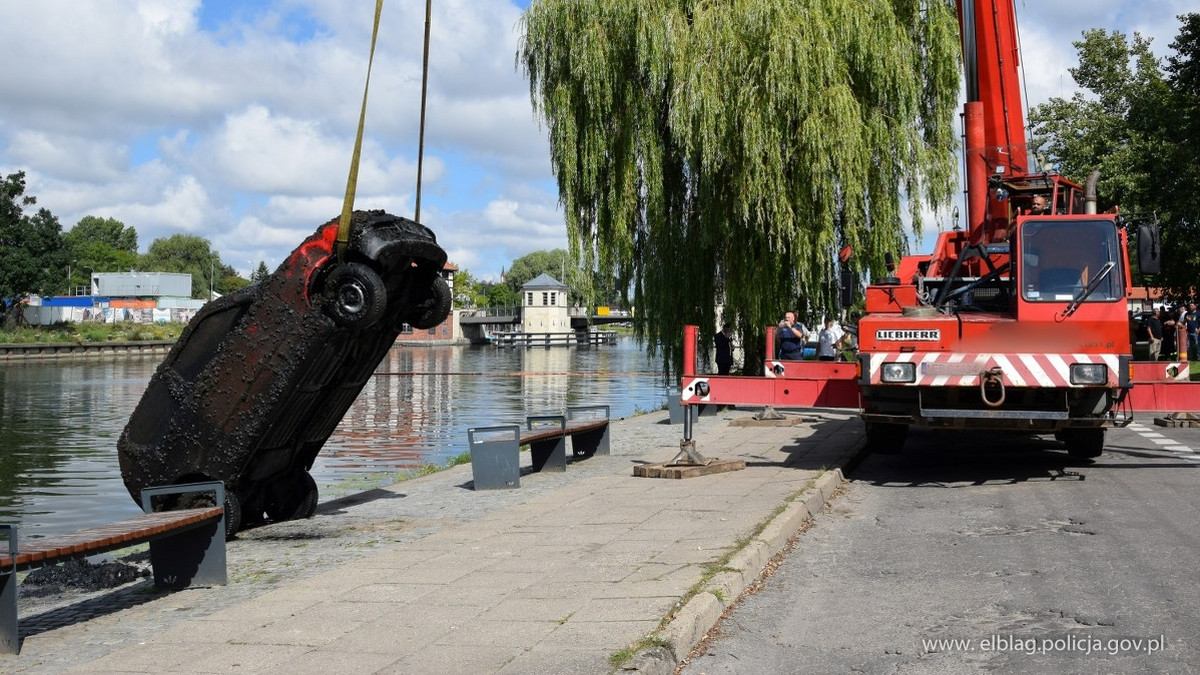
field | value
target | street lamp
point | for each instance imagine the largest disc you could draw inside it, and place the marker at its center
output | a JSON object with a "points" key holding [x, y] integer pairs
{"points": [[69, 276], [210, 278]]}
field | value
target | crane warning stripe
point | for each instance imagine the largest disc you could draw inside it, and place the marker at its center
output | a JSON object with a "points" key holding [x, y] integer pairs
{"points": [[939, 369]]}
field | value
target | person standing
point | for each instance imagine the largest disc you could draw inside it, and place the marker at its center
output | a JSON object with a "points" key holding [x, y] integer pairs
{"points": [[1191, 326], [1170, 346], [1154, 331], [792, 336], [827, 341], [724, 350]]}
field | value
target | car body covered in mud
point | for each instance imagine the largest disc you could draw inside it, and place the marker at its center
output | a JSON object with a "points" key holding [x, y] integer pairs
{"points": [[260, 378]]}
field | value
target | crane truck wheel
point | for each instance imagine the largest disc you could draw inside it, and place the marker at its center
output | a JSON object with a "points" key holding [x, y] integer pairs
{"points": [[886, 438], [1084, 443]]}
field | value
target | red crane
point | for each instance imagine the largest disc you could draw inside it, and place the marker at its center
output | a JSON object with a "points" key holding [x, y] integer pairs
{"points": [[1017, 322]]}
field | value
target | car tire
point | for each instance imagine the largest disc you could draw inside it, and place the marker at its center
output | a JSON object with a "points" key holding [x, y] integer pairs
{"points": [[433, 308], [233, 514], [293, 498], [355, 296]]}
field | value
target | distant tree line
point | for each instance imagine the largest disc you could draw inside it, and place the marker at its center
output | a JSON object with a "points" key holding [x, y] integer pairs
{"points": [[1137, 121], [587, 289], [38, 258]]}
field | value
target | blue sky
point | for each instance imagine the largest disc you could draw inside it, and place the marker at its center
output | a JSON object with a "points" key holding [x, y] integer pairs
{"points": [[235, 120]]}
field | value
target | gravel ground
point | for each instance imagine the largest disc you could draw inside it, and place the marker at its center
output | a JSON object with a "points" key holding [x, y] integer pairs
{"points": [[263, 558]]}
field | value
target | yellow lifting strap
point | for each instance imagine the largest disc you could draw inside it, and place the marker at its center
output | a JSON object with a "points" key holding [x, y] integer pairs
{"points": [[343, 236]]}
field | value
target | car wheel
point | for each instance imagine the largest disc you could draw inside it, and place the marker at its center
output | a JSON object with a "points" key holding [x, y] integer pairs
{"points": [[294, 497], [233, 514], [355, 295], [432, 309]]}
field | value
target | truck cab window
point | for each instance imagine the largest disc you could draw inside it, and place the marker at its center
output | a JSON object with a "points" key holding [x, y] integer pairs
{"points": [[1059, 259]]}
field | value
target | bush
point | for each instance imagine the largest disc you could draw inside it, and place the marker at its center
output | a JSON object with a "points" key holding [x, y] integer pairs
{"points": [[92, 332]]}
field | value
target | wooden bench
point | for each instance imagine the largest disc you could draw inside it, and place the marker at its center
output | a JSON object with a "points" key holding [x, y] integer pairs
{"points": [[495, 450], [187, 547]]}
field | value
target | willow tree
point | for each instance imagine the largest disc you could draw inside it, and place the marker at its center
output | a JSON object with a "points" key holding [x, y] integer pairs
{"points": [[723, 152]]}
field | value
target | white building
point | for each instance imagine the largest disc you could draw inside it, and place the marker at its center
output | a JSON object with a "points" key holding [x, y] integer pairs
{"points": [[544, 309]]}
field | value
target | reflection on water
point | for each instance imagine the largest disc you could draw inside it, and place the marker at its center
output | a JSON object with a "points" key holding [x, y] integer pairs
{"points": [[59, 421]]}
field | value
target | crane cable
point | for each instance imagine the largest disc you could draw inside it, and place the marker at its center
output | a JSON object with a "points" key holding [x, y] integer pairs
{"points": [[343, 235], [424, 89]]}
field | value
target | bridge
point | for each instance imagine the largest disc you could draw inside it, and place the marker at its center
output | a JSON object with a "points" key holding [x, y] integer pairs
{"points": [[474, 320], [512, 315]]}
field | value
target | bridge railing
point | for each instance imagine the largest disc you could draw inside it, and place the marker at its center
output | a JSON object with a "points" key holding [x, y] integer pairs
{"points": [[497, 312]]}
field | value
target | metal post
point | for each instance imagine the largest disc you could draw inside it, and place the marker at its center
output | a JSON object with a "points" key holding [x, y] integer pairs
{"points": [[689, 349], [687, 447]]}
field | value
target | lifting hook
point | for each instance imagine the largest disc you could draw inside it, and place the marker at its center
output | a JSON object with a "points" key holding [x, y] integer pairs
{"points": [[994, 377]]}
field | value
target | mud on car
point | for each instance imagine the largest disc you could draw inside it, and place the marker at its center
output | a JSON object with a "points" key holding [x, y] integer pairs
{"points": [[261, 377]]}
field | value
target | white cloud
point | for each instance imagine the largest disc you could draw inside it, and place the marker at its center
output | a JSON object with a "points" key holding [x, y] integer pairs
{"points": [[236, 120], [255, 151]]}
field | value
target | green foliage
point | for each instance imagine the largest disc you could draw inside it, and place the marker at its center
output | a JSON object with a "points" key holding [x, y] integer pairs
{"points": [[1139, 126], [721, 153], [91, 332], [99, 245], [231, 282], [188, 253], [530, 265], [468, 291], [108, 231], [500, 295], [33, 258], [587, 287], [260, 273], [37, 257]]}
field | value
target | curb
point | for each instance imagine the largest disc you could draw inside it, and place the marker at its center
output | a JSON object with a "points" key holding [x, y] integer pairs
{"points": [[702, 612]]}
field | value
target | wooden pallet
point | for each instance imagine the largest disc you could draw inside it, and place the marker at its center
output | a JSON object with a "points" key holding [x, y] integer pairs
{"points": [[688, 470], [1182, 419]]}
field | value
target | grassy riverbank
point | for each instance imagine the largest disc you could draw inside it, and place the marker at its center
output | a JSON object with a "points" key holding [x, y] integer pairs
{"points": [[84, 333]]}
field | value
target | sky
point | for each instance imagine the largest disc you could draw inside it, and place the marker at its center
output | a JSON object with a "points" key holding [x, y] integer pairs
{"points": [[234, 120]]}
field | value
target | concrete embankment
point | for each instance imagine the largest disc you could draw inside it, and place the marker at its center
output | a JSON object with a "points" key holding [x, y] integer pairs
{"points": [[35, 351]]}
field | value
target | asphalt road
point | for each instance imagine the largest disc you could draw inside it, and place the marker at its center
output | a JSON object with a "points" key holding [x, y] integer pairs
{"points": [[993, 552]]}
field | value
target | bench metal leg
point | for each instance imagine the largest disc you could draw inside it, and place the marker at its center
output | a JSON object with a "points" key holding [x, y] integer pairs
{"points": [[195, 556], [549, 455], [9, 636], [495, 457], [588, 443]]}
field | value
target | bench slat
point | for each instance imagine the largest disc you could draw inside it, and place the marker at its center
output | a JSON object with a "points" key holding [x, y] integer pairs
{"points": [[573, 426], [37, 552]]}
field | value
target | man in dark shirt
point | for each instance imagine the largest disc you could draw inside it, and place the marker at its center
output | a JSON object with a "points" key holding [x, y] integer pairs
{"points": [[1170, 348], [792, 336], [724, 351], [1191, 326], [1154, 331]]}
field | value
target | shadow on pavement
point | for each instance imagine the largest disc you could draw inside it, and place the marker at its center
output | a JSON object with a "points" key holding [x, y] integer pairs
{"points": [[109, 601], [338, 505], [957, 458]]}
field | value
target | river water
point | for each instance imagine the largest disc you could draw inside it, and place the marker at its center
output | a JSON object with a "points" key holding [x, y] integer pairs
{"points": [[60, 420]]}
